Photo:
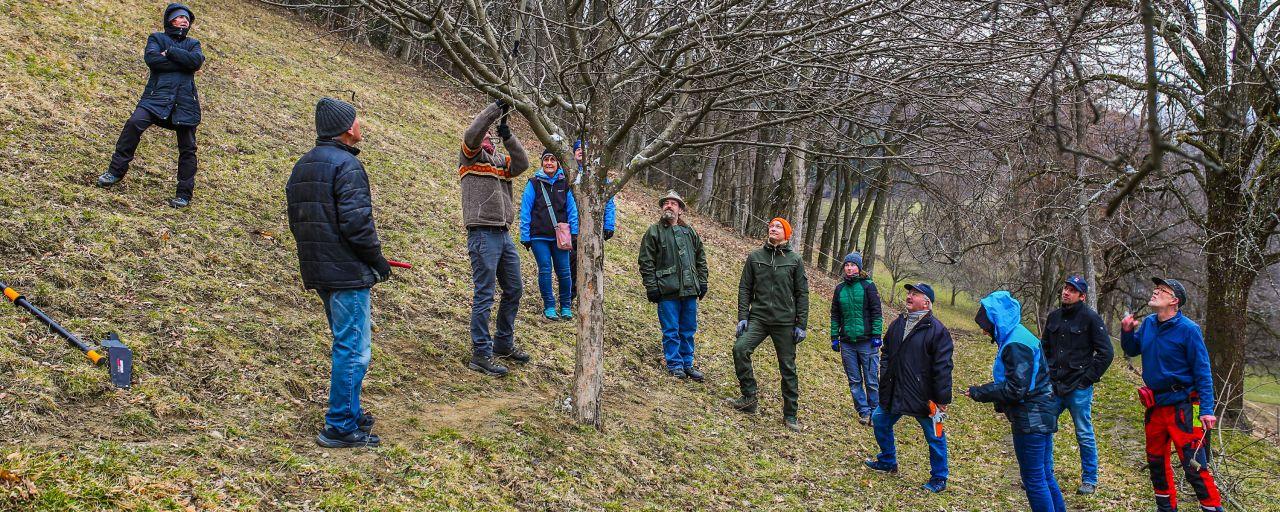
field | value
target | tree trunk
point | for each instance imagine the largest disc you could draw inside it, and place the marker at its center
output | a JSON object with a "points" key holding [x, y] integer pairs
{"points": [[1230, 273], [814, 204], [799, 184], [873, 224], [588, 375]]}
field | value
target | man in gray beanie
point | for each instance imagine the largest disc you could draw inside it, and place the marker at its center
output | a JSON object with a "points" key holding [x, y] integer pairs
{"points": [[331, 217]]}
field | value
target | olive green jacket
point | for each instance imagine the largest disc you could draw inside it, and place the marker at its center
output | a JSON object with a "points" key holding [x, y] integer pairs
{"points": [[672, 262], [774, 289]]}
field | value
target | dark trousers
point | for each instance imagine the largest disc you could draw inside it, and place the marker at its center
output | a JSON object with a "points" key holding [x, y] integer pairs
{"points": [[127, 144], [494, 263], [785, 345]]}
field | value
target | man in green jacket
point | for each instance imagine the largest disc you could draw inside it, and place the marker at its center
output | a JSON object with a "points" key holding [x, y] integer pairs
{"points": [[673, 268], [773, 301]]}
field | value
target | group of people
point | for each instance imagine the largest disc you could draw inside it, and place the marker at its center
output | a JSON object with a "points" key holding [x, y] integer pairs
{"points": [[902, 370]]}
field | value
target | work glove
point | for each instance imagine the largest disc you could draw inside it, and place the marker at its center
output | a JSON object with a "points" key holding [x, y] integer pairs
{"points": [[502, 105], [383, 273], [653, 296], [742, 327], [608, 233], [876, 341], [528, 246], [702, 291], [835, 344], [799, 334], [504, 131]]}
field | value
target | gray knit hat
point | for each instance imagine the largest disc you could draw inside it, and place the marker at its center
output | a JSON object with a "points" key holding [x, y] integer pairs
{"points": [[333, 117]]}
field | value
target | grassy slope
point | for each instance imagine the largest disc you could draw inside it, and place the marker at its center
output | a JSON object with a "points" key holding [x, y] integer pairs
{"points": [[232, 353]]}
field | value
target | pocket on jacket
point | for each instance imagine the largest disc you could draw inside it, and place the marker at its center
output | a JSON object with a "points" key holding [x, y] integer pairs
{"points": [[665, 277]]}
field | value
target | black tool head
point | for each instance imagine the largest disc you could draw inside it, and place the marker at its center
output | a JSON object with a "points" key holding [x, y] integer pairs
{"points": [[119, 361]]}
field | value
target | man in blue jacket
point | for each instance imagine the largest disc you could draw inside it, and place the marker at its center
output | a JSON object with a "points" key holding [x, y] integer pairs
{"points": [[1178, 394], [170, 101], [340, 257]]}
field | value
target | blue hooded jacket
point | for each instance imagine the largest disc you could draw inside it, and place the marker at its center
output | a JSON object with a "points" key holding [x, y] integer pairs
{"points": [[1174, 359], [535, 223], [1020, 384]]}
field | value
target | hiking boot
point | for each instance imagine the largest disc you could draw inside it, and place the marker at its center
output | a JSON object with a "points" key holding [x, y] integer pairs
{"points": [[550, 314], [179, 202], [365, 423], [883, 467], [694, 374], [566, 313], [486, 366], [935, 485], [515, 354], [745, 404], [107, 179], [331, 438], [678, 373], [864, 419], [1087, 488], [791, 423]]}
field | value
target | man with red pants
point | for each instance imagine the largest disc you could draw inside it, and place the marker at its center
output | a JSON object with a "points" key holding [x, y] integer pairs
{"points": [[1178, 394]]}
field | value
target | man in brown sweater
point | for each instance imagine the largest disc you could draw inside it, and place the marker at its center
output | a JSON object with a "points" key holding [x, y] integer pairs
{"points": [[488, 211]]}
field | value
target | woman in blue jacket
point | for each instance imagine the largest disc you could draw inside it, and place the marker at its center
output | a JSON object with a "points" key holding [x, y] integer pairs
{"points": [[546, 202], [1022, 391]]}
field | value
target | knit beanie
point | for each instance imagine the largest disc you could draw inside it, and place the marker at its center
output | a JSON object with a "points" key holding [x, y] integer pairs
{"points": [[547, 151], [786, 227], [855, 259], [333, 117]]}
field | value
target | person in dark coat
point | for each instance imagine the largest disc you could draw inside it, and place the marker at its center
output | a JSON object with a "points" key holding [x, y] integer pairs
{"points": [[673, 269], [1078, 350], [340, 257], [1021, 389], [915, 374], [169, 101]]}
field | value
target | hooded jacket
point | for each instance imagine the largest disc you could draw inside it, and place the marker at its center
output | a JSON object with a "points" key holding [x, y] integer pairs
{"points": [[774, 289], [855, 310], [915, 367], [1020, 385], [1175, 361], [535, 221], [173, 59]]}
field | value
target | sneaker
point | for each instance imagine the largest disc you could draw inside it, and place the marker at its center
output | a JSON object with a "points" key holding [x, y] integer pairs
{"points": [[515, 354], [878, 465], [331, 438], [678, 373], [864, 419], [107, 179], [486, 366], [694, 374], [1087, 488], [566, 313], [179, 202], [550, 314], [365, 423], [935, 485], [745, 404], [791, 423]]}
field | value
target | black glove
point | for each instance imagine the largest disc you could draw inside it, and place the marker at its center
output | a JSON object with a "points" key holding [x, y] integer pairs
{"points": [[504, 131], [502, 105], [608, 233], [383, 272], [653, 296], [702, 291], [528, 246]]}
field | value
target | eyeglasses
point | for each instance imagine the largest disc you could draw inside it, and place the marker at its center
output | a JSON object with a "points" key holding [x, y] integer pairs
{"points": [[1163, 291]]}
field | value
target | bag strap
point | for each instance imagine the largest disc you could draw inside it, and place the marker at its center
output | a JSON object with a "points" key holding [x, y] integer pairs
{"points": [[547, 199]]}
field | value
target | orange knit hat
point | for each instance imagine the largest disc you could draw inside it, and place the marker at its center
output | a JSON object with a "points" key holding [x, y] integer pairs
{"points": [[786, 227]]}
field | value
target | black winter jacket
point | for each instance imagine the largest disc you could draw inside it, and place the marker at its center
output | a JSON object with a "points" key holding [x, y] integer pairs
{"points": [[174, 59], [916, 368], [1077, 346], [331, 217]]}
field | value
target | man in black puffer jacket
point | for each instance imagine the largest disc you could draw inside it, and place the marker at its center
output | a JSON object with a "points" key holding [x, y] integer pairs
{"points": [[331, 217], [170, 101]]}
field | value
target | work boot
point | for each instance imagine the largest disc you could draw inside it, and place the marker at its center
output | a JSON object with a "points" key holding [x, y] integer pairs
{"points": [[365, 423], [745, 404], [792, 423], [678, 373], [486, 366], [883, 467], [864, 419], [694, 374], [515, 354], [935, 485], [1087, 488], [179, 202], [107, 179], [331, 438]]}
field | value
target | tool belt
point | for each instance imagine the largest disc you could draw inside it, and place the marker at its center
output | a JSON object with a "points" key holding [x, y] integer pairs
{"points": [[1147, 396]]}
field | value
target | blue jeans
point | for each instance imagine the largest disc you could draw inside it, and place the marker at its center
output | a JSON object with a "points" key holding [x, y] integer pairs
{"points": [[679, 320], [1080, 403], [350, 321], [882, 423], [494, 262], [862, 368], [1035, 464], [546, 253]]}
